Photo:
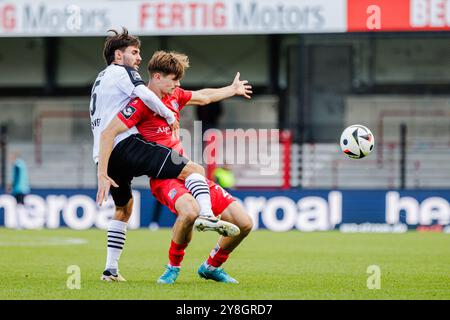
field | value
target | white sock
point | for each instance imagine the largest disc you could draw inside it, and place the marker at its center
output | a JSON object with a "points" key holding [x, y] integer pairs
{"points": [[116, 240], [196, 184]]}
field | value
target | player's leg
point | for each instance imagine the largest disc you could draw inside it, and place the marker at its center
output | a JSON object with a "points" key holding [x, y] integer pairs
{"points": [[157, 161], [235, 214], [160, 162], [194, 180], [207, 221], [187, 211], [193, 176], [117, 229], [210, 269]]}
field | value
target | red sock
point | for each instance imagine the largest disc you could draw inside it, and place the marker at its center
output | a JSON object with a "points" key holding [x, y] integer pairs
{"points": [[176, 253], [218, 256]]}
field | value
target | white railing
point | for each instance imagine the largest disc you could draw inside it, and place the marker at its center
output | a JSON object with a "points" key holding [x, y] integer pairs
{"points": [[325, 166]]}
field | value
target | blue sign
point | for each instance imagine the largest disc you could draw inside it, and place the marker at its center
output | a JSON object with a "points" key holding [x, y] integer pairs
{"points": [[304, 210]]}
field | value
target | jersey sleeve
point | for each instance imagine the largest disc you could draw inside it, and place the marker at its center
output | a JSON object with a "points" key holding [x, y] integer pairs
{"points": [[183, 97], [128, 79], [154, 103], [132, 113]]}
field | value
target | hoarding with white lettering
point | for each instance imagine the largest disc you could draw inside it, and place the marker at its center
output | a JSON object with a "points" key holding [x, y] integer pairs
{"points": [[176, 17], [279, 211]]}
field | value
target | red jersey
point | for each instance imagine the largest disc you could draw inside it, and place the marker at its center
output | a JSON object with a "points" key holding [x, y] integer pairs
{"points": [[150, 125], [155, 128]]}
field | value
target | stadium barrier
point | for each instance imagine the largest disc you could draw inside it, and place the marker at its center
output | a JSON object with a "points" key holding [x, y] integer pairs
{"points": [[309, 210]]}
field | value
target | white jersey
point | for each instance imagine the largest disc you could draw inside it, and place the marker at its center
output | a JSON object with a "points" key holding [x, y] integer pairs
{"points": [[111, 92]]}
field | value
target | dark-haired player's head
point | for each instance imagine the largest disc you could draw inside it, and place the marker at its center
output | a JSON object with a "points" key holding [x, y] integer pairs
{"points": [[166, 69], [122, 48]]}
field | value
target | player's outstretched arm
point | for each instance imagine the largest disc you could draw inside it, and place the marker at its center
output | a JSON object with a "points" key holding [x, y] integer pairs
{"points": [[114, 128], [237, 88]]}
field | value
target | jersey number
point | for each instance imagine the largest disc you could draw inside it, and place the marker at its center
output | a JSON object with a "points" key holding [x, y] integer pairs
{"points": [[93, 106], [224, 193]]}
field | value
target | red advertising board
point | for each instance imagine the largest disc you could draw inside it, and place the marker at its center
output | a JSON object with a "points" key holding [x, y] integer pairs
{"points": [[398, 15]]}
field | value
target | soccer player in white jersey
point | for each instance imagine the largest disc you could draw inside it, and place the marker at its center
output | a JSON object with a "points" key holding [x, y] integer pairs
{"points": [[131, 156], [166, 69]]}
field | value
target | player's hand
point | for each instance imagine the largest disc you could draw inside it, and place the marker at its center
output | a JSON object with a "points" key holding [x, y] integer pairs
{"points": [[104, 184], [241, 87], [175, 127]]}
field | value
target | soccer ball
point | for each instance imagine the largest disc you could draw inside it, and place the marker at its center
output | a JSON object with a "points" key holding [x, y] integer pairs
{"points": [[357, 141]]}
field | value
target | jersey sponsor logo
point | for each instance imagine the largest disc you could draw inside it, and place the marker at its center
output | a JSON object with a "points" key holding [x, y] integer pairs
{"points": [[128, 111], [175, 105], [172, 193], [136, 76], [164, 130]]}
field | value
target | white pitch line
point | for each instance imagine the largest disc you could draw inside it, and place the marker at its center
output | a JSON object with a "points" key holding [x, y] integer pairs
{"points": [[41, 242]]}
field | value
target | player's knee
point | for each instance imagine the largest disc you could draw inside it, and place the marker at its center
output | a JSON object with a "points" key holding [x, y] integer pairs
{"points": [[193, 167], [246, 227], [245, 222], [187, 209], [123, 213], [241, 218], [198, 169], [188, 216]]}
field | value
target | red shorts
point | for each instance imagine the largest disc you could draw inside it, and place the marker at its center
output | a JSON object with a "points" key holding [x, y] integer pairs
{"points": [[167, 191]]}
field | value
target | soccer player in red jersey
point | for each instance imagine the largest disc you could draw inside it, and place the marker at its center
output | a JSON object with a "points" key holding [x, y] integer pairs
{"points": [[166, 70], [120, 156]]}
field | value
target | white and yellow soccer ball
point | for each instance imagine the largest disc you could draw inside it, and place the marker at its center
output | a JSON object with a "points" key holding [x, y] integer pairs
{"points": [[357, 141]]}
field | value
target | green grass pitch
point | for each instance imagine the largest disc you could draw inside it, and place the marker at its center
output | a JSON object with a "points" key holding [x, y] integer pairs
{"points": [[269, 265]]}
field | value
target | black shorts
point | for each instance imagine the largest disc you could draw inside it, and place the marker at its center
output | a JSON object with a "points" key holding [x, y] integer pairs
{"points": [[135, 157], [20, 197]]}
